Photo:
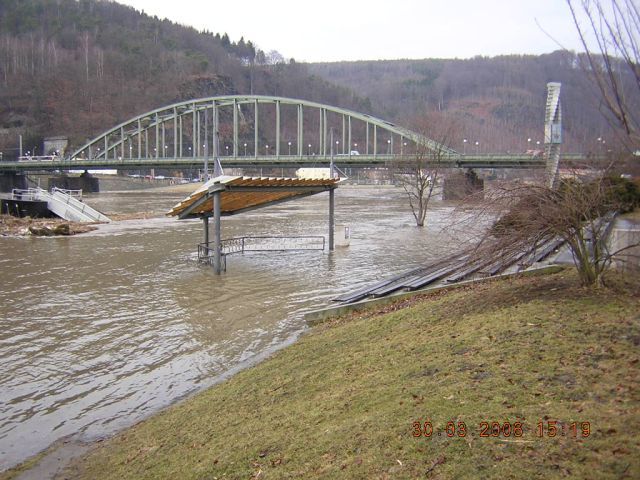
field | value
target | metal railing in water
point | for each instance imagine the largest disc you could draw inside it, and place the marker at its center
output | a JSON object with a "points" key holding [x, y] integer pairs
{"points": [[230, 246], [206, 255]]}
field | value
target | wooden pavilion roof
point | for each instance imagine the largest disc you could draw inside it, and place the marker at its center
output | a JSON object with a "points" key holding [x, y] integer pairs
{"points": [[240, 194]]}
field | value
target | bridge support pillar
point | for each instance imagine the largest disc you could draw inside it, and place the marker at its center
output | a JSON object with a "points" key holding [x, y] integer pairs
{"points": [[332, 225], [11, 180], [458, 186], [217, 242], [85, 182]]}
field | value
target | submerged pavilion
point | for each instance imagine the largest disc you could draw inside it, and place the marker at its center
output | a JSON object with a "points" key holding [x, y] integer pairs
{"points": [[227, 195]]}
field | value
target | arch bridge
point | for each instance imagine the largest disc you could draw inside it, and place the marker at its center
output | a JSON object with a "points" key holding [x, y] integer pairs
{"points": [[256, 130]]}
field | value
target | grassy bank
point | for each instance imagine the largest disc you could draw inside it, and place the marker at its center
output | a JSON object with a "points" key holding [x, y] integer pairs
{"points": [[342, 402]]}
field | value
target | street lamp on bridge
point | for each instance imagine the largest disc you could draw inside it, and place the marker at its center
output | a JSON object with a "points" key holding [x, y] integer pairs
{"points": [[477, 147], [289, 143], [245, 149], [464, 146], [309, 151], [266, 147]]}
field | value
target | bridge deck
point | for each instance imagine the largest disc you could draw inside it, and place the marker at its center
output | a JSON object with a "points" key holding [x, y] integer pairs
{"points": [[290, 161]]}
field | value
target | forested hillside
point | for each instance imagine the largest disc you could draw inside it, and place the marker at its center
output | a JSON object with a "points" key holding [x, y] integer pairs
{"points": [[76, 68], [497, 101]]}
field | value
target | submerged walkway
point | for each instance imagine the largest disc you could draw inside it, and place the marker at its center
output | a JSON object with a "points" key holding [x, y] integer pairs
{"points": [[63, 203], [453, 269]]}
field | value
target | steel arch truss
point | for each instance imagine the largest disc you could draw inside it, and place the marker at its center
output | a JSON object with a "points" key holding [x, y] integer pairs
{"points": [[251, 126]]}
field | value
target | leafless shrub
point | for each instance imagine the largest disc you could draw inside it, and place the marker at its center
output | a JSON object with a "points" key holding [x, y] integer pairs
{"points": [[579, 212]]}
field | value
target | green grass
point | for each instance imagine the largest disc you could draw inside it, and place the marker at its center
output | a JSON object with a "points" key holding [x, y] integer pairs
{"points": [[341, 402]]}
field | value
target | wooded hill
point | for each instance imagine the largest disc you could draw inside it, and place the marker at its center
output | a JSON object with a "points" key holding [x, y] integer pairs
{"points": [[497, 101], [78, 67]]}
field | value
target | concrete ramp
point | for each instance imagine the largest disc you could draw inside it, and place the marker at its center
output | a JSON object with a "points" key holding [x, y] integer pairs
{"points": [[63, 204]]}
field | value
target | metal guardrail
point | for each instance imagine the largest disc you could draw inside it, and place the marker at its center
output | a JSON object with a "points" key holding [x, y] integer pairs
{"points": [[33, 192], [259, 244], [272, 244], [206, 255], [26, 194], [72, 193], [38, 158]]}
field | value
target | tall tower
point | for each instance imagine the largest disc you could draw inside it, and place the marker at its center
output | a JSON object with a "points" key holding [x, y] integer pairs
{"points": [[552, 132]]}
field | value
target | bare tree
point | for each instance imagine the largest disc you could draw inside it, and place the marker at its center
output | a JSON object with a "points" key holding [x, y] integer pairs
{"points": [[579, 212], [612, 59], [420, 171]]}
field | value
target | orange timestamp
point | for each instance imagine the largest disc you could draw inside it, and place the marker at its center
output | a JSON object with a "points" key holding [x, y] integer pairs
{"points": [[495, 429]]}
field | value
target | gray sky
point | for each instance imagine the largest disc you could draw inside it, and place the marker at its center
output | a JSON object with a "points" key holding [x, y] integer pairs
{"points": [[332, 30]]}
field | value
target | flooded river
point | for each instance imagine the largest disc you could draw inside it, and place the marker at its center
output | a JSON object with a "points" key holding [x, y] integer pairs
{"points": [[100, 330]]}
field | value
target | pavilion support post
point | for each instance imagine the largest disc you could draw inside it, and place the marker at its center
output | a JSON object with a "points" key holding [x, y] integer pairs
{"points": [[217, 243], [205, 227], [332, 205]]}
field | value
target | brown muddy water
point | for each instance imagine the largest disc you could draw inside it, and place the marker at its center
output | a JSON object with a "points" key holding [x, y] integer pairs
{"points": [[100, 330]]}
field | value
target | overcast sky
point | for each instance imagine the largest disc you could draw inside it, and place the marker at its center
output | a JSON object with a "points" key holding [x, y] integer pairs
{"points": [[333, 30]]}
